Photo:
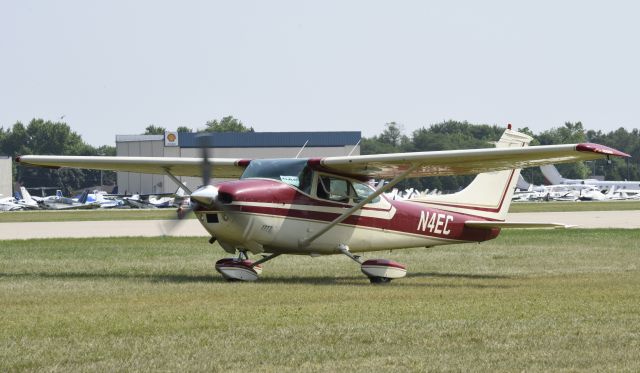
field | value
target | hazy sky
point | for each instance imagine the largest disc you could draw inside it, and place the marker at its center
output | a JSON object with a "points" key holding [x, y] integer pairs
{"points": [[114, 67]]}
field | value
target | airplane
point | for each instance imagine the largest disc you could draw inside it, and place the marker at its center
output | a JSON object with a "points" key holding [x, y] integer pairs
{"points": [[158, 200], [22, 201], [9, 204], [27, 202], [324, 206], [59, 202], [553, 176]]}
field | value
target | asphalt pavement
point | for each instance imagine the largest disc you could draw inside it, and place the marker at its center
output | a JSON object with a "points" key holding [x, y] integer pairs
{"points": [[191, 227]]}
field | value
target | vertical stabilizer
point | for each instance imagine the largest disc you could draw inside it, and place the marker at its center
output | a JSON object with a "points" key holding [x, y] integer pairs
{"points": [[551, 174], [489, 194], [25, 195], [523, 184], [83, 198]]}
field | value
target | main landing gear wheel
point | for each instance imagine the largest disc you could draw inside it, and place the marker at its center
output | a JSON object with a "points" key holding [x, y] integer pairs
{"points": [[379, 271], [236, 269], [379, 280]]}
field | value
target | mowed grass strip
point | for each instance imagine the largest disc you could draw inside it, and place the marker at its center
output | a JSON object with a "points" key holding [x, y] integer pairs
{"points": [[530, 300], [88, 215], [555, 206]]}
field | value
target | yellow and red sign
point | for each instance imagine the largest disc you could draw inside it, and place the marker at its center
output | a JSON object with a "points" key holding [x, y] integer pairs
{"points": [[171, 138]]}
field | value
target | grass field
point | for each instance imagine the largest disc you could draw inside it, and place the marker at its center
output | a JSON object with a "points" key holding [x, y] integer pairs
{"points": [[530, 300], [136, 214], [574, 206], [85, 215]]}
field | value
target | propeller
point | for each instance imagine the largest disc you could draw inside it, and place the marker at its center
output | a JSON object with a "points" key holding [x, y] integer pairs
{"points": [[206, 195], [203, 142]]}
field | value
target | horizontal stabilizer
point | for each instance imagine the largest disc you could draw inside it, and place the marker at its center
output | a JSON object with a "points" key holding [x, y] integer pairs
{"points": [[506, 224]]}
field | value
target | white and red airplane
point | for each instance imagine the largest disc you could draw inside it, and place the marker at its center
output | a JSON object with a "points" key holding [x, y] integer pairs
{"points": [[322, 206]]}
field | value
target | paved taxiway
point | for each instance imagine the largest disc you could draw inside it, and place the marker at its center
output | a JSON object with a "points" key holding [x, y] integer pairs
{"points": [[191, 227]]}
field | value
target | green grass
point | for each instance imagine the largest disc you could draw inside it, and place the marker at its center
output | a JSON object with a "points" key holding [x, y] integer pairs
{"points": [[574, 206], [136, 214], [82, 215], [530, 300]]}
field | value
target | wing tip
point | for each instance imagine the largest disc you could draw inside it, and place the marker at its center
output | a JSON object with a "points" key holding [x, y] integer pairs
{"points": [[601, 149]]}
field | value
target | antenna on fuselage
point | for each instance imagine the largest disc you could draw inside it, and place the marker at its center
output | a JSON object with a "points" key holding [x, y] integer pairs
{"points": [[301, 149]]}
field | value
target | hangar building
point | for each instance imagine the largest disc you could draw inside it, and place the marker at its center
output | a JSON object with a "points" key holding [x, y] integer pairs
{"points": [[248, 145], [6, 176]]}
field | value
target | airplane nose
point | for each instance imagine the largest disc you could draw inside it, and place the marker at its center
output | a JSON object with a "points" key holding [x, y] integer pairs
{"points": [[206, 195]]}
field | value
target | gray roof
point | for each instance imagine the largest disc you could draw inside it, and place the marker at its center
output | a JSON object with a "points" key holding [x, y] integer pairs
{"points": [[272, 139]]}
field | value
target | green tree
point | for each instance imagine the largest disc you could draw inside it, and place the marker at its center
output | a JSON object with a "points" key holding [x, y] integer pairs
{"points": [[154, 130], [392, 134], [54, 138], [227, 124], [182, 129]]}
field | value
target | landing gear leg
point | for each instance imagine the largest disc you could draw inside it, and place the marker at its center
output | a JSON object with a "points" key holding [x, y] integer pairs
{"points": [[379, 271], [345, 250], [265, 259]]}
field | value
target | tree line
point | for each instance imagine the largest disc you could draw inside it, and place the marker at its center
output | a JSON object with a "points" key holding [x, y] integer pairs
{"points": [[41, 136], [56, 138], [226, 124]]}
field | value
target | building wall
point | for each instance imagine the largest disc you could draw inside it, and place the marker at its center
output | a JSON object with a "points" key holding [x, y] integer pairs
{"points": [[154, 146], [141, 146], [6, 176]]}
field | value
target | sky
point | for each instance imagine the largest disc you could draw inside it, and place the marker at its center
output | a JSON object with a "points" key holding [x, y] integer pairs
{"points": [[114, 67]]}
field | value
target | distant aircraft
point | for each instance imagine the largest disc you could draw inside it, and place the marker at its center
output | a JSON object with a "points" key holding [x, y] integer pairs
{"points": [[26, 201], [9, 204], [64, 203], [553, 176], [152, 201], [322, 206], [22, 201]]}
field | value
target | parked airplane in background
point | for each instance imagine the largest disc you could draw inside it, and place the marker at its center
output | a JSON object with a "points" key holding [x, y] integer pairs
{"points": [[9, 204], [322, 206], [553, 176], [22, 201], [162, 200], [58, 202], [26, 201]]}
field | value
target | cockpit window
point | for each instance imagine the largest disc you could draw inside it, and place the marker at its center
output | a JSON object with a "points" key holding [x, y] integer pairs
{"points": [[342, 190], [363, 191], [291, 171]]}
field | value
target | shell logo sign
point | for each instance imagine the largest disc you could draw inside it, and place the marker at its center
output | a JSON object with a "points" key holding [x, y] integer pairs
{"points": [[171, 139]]}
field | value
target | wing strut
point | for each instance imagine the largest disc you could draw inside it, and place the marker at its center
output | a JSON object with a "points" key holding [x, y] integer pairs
{"points": [[176, 180], [306, 241]]}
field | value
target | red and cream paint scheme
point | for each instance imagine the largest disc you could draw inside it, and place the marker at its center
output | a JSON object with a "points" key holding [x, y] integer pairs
{"points": [[322, 206]]}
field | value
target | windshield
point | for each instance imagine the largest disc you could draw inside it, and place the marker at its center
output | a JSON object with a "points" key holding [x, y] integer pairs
{"points": [[291, 171]]}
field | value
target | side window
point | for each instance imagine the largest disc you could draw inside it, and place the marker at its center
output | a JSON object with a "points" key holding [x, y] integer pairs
{"points": [[363, 191], [334, 189]]}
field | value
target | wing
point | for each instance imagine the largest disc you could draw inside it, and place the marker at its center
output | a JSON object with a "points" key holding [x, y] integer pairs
{"points": [[463, 162], [223, 167], [383, 166]]}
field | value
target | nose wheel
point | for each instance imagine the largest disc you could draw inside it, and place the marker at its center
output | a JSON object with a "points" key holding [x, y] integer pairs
{"points": [[241, 268], [379, 271]]}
